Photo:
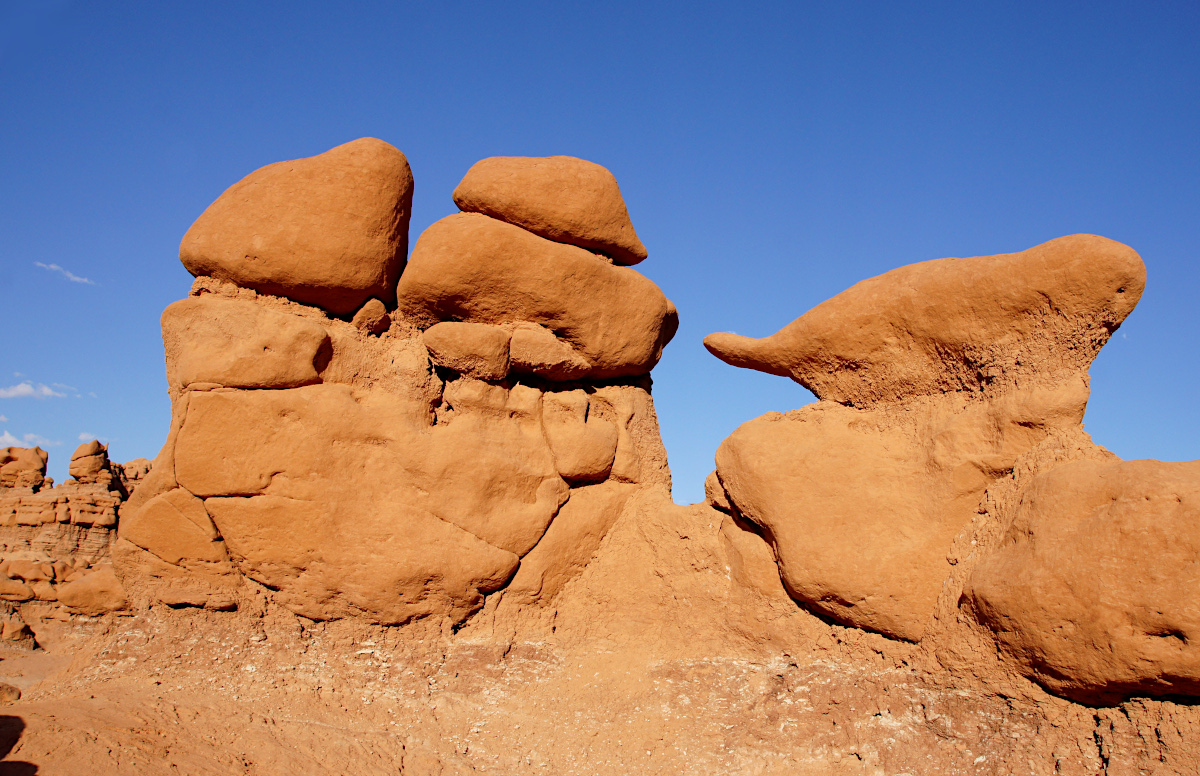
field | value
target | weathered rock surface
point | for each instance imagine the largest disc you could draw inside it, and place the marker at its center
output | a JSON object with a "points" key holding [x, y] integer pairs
{"points": [[861, 507], [581, 435], [330, 230], [470, 267], [861, 502], [560, 198], [1093, 592], [535, 350], [174, 526], [955, 324], [95, 593], [473, 349], [239, 344], [23, 467]]}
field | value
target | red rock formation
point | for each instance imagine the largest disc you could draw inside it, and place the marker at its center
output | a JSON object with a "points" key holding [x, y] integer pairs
{"points": [[330, 231], [330, 463]]}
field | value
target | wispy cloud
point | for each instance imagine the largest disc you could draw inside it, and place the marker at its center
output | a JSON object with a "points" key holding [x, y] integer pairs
{"points": [[3, 419], [26, 440], [40, 391], [71, 276]]}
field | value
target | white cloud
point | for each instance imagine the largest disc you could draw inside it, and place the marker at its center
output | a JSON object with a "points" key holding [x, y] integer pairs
{"points": [[86, 436], [8, 440], [3, 419], [65, 273], [27, 388], [40, 441], [65, 387]]}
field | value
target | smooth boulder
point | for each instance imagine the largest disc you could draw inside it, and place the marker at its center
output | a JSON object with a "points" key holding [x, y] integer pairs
{"points": [[1093, 594], [473, 268], [330, 230], [560, 198]]}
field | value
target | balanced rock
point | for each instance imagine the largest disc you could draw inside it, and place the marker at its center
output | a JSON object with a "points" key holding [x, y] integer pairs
{"points": [[561, 198], [474, 268], [330, 230], [89, 462], [1093, 594], [954, 324], [978, 360], [399, 476]]}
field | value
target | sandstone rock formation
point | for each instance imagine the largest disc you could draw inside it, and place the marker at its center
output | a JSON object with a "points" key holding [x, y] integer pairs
{"points": [[401, 465], [433, 534], [474, 268], [529, 191], [23, 467], [55, 559], [934, 379], [1093, 592], [330, 231], [988, 322]]}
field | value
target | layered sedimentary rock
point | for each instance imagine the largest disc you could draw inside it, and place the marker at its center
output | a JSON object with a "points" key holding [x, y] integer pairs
{"points": [[330, 230], [55, 541], [400, 465], [934, 379]]}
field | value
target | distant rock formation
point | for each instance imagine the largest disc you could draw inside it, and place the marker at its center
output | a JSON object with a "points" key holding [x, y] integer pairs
{"points": [[55, 541], [400, 464]]}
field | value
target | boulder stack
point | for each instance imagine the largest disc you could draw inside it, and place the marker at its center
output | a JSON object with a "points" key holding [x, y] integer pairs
{"points": [[535, 256], [401, 463]]}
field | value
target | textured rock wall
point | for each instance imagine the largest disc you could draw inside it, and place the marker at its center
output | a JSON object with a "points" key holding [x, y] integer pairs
{"points": [[476, 426], [942, 490], [55, 542]]}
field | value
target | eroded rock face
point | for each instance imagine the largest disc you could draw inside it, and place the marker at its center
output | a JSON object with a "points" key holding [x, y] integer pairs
{"points": [[934, 380], [330, 230], [402, 464], [1093, 593], [23, 467], [470, 267], [560, 198], [955, 324], [237, 344]]}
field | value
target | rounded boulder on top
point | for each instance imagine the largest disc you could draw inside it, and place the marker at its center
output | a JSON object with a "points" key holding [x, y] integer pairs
{"points": [[330, 230]]}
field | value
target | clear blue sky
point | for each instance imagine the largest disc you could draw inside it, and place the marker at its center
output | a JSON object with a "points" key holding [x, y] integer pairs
{"points": [[771, 155]]}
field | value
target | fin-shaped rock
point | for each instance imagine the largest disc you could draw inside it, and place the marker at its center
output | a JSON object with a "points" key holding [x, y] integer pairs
{"points": [[954, 324]]}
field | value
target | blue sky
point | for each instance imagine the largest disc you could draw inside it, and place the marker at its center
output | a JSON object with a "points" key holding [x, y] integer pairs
{"points": [[771, 155]]}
